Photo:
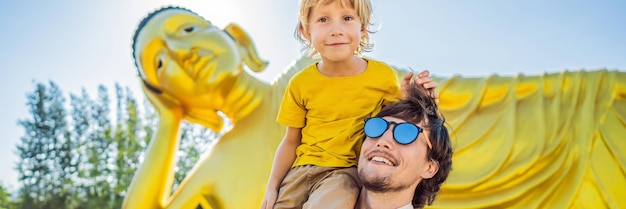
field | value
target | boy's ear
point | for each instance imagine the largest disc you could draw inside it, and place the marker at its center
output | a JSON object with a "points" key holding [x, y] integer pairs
{"points": [[305, 33]]}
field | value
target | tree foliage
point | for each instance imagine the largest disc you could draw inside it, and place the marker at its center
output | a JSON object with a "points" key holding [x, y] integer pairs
{"points": [[83, 154], [5, 199]]}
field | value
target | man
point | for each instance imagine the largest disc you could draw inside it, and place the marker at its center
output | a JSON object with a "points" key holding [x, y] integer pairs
{"points": [[406, 155]]}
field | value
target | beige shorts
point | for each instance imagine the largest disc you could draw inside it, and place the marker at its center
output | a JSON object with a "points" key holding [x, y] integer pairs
{"points": [[310, 186]]}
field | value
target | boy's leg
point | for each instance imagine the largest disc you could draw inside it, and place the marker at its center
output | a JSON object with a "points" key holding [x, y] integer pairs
{"points": [[339, 188], [294, 188]]}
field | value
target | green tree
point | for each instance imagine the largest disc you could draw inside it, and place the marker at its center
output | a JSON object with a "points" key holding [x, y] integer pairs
{"points": [[5, 199], [82, 158], [81, 128], [42, 166], [85, 128], [99, 152], [195, 139], [128, 140]]}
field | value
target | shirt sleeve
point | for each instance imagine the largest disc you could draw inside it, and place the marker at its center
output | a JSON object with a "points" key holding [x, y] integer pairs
{"points": [[292, 110], [395, 93]]}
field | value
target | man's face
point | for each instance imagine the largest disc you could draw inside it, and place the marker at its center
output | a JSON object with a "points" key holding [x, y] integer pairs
{"points": [[385, 165]]}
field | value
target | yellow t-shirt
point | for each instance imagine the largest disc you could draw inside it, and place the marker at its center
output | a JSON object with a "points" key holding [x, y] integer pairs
{"points": [[331, 111]]}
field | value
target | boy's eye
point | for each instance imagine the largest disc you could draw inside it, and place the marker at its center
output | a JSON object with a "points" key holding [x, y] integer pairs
{"points": [[348, 18], [323, 19]]}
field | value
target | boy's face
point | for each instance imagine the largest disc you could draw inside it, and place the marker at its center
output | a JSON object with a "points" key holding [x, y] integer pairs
{"points": [[334, 31]]}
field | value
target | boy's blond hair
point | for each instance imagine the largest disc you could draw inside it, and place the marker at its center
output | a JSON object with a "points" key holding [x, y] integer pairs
{"points": [[363, 10]]}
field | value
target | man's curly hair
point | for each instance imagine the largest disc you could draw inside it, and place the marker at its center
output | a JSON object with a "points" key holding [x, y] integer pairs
{"points": [[416, 107]]}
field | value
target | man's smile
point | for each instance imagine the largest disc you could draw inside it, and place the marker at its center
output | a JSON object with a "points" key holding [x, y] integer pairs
{"points": [[381, 157]]}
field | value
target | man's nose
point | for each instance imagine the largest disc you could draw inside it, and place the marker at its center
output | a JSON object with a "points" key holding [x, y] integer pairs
{"points": [[386, 140]]}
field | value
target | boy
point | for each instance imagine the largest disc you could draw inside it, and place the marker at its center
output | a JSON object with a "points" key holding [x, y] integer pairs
{"points": [[325, 105]]}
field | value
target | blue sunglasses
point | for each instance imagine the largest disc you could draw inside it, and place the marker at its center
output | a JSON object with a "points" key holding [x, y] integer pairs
{"points": [[403, 133]]}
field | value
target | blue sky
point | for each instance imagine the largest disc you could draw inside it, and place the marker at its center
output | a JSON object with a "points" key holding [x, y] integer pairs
{"points": [[81, 44]]}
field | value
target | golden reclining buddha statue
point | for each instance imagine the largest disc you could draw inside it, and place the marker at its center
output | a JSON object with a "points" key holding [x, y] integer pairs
{"points": [[546, 141]]}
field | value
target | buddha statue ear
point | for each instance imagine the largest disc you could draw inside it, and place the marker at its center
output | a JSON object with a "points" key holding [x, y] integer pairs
{"points": [[246, 47]]}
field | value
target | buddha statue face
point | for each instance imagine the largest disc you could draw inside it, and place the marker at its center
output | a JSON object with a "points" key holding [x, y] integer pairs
{"points": [[186, 57], [183, 58]]}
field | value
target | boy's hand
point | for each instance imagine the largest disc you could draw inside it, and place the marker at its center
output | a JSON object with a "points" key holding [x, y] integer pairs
{"points": [[423, 79], [270, 199]]}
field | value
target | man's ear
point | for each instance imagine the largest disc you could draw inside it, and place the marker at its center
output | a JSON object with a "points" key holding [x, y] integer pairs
{"points": [[430, 170]]}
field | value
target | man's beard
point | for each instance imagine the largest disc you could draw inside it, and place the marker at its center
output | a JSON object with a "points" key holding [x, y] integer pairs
{"points": [[380, 184]]}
